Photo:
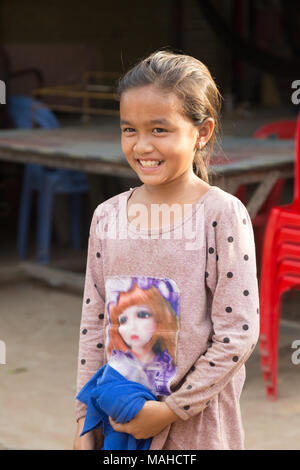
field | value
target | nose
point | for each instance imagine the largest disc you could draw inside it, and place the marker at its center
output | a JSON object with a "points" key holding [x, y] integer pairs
{"points": [[142, 145]]}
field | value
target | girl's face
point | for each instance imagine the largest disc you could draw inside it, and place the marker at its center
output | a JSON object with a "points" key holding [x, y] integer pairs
{"points": [[137, 325], [154, 128]]}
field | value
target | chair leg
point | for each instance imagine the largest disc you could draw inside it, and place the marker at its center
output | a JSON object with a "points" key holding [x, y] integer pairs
{"points": [[24, 216], [264, 343], [44, 229], [273, 341], [76, 209]]}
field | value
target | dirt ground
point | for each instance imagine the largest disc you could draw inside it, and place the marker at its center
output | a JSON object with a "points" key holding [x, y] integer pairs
{"points": [[40, 326]]}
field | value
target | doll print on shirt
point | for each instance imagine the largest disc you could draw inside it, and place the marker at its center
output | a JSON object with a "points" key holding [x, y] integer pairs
{"points": [[142, 330]]}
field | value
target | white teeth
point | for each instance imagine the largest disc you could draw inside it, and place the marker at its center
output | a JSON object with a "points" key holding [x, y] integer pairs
{"points": [[149, 163]]}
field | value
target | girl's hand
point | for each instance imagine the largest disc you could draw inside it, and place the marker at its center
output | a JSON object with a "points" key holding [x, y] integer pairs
{"points": [[151, 420], [92, 440]]}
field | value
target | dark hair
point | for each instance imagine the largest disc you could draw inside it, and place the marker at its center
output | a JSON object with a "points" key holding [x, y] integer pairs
{"points": [[192, 83]]}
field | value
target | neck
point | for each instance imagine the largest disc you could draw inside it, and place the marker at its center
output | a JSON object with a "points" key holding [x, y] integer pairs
{"points": [[144, 356], [173, 190]]}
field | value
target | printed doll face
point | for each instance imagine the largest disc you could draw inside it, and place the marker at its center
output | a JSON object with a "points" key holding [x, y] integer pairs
{"points": [[154, 128], [137, 325]]}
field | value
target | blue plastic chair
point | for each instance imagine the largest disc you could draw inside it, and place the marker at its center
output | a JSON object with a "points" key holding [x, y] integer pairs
{"points": [[25, 112]]}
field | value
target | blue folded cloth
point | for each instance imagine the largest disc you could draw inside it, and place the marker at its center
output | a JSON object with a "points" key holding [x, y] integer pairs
{"points": [[106, 394]]}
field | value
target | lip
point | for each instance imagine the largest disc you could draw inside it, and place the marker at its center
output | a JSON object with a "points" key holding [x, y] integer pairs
{"points": [[149, 169], [133, 337], [149, 159]]}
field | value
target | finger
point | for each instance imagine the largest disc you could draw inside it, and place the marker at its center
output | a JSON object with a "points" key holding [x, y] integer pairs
{"points": [[120, 427]]}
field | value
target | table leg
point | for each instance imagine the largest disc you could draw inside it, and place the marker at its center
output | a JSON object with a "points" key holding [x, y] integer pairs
{"points": [[261, 193]]}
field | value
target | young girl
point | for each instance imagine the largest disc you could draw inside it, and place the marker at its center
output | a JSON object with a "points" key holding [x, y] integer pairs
{"points": [[203, 246]]}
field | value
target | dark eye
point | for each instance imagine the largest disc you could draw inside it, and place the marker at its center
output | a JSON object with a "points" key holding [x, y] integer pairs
{"points": [[143, 314], [128, 130], [159, 130], [122, 320]]}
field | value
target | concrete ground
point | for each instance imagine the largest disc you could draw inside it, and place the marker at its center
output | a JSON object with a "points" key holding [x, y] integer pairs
{"points": [[40, 327]]}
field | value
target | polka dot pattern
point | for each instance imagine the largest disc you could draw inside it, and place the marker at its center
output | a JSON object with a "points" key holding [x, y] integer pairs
{"points": [[227, 272], [229, 275]]}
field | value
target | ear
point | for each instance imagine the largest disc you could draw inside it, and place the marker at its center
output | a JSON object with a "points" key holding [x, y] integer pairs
{"points": [[205, 131]]}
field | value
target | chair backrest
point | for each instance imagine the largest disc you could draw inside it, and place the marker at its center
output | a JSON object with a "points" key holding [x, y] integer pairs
{"points": [[278, 129], [297, 162], [26, 111]]}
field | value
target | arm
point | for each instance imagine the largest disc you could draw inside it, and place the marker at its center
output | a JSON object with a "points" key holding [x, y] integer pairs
{"points": [[92, 440], [232, 282], [91, 336], [151, 420]]}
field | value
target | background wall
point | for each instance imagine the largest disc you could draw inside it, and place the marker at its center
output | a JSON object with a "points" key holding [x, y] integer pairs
{"points": [[66, 38]]}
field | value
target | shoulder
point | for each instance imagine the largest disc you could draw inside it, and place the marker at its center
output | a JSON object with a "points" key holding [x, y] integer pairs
{"points": [[224, 206], [111, 203], [106, 213]]}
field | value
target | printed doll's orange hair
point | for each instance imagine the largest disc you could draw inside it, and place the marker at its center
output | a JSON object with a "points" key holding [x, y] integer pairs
{"points": [[167, 323]]}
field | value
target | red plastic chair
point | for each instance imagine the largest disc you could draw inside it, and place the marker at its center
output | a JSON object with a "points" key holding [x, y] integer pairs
{"points": [[287, 234], [280, 130], [280, 272], [288, 250]]}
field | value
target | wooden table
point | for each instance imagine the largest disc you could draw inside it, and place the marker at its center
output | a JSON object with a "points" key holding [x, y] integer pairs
{"points": [[90, 149]]}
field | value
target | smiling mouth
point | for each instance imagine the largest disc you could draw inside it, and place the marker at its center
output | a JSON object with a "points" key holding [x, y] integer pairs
{"points": [[150, 163]]}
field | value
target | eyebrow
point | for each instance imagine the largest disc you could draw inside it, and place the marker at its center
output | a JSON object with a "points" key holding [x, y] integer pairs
{"points": [[153, 121]]}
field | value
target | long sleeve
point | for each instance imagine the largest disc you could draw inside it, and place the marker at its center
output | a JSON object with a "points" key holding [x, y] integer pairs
{"points": [[91, 337], [231, 283]]}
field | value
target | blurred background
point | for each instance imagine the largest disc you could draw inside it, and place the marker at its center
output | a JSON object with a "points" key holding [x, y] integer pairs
{"points": [[60, 63]]}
